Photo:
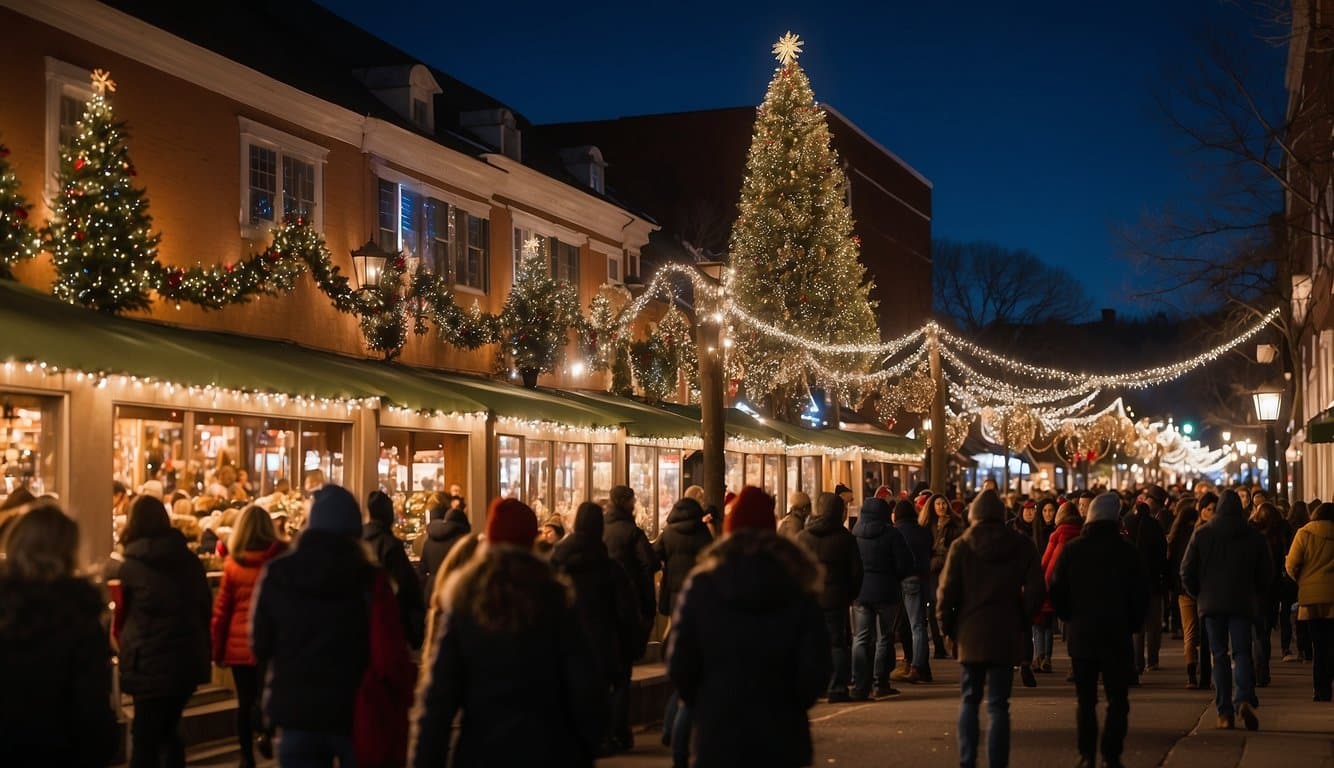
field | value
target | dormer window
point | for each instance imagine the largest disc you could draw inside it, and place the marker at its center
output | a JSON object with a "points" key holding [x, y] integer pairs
{"points": [[409, 90], [586, 164], [496, 128]]}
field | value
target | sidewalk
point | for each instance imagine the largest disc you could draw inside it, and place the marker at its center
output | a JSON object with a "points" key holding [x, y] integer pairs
{"points": [[1294, 731]]}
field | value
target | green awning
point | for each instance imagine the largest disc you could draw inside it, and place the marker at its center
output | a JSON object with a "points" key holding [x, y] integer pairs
{"points": [[35, 327], [1321, 428], [886, 442], [639, 418], [737, 424], [515, 402]]}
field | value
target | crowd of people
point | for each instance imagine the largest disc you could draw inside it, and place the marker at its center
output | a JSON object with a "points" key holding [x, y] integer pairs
{"points": [[343, 650]]}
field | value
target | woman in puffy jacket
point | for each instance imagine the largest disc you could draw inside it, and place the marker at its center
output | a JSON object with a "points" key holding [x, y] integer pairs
{"points": [[253, 543], [1310, 563], [164, 638], [1068, 527]]}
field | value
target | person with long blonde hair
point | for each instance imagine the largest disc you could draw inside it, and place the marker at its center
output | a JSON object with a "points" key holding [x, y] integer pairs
{"points": [[459, 555], [253, 542], [55, 656]]}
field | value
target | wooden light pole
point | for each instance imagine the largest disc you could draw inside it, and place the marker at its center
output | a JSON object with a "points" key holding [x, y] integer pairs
{"points": [[938, 453], [708, 335]]}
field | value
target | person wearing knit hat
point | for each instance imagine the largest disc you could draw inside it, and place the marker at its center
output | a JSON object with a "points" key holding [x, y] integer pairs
{"points": [[310, 630], [883, 493], [503, 600], [1101, 591], [798, 511], [988, 572], [752, 508], [510, 522], [152, 488], [751, 587]]}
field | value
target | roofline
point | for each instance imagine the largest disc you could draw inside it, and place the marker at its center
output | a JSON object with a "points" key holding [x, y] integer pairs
{"points": [[827, 108]]}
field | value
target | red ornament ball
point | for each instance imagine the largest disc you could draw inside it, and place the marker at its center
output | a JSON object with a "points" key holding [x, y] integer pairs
{"points": [[79, 164], [20, 213]]}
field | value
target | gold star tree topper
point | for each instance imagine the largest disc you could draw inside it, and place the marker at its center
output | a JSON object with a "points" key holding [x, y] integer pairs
{"points": [[787, 49], [102, 82]]}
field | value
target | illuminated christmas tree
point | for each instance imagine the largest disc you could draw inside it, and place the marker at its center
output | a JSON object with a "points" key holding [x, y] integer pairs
{"points": [[537, 317], [18, 240], [794, 256], [104, 254]]}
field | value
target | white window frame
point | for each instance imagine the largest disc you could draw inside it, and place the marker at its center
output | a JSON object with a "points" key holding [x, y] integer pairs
{"points": [[62, 79], [477, 208], [286, 145], [546, 230]]}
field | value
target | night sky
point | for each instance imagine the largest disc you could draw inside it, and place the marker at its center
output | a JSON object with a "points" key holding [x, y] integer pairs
{"points": [[1037, 123]]}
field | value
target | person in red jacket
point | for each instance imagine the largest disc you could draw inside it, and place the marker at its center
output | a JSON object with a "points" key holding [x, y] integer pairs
{"points": [[1069, 524], [253, 543]]}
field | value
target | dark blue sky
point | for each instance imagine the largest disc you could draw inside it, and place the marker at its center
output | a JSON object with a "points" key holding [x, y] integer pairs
{"points": [[1035, 121]]}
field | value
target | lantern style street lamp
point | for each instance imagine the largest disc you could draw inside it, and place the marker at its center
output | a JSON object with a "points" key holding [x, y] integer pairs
{"points": [[1267, 404], [368, 262]]}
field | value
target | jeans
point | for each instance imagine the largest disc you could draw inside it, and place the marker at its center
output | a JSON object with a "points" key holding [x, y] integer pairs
{"points": [[1236, 669], [1116, 685], [998, 680], [1153, 628], [1322, 656], [1043, 638], [869, 652], [156, 733], [314, 749], [914, 605], [836, 622], [677, 724]]}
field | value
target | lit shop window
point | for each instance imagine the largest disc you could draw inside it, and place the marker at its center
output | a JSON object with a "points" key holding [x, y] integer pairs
{"points": [[413, 466], [537, 476], [571, 480], [773, 470], [733, 472], [604, 458], [509, 451], [28, 451], [642, 479], [149, 444], [669, 482]]}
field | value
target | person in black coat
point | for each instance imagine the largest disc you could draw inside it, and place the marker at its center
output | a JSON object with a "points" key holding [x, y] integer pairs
{"points": [[513, 657], [835, 548], [605, 601], [55, 658], [1226, 569], [886, 560], [627, 545], [310, 628], [392, 555], [1099, 588], [678, 547], [1146, 533], [912, 619], [748, 650], [446, 527], [166, 607]]}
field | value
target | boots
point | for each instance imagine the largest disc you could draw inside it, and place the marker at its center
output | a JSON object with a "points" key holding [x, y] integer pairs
{"points": [[1192, 681], [1026, 673]]}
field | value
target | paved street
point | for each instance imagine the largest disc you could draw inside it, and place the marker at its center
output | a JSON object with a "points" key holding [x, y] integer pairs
{"points": [[1169, 726]]}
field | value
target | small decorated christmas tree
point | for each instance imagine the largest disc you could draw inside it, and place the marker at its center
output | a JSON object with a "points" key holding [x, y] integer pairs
{"points": [[18, 240], [794, 255], [104, 253], [536, 318]]}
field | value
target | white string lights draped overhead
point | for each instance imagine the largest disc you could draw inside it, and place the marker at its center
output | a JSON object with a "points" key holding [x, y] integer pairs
{"points": [[975, 377]]}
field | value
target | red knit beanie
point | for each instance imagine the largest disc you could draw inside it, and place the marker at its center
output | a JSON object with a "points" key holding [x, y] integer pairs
{"points": [[510, 521], [752, 508], [883, 492]]}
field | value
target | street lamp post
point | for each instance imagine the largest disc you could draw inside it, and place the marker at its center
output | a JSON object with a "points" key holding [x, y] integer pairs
{"points": [[1267, 403]]}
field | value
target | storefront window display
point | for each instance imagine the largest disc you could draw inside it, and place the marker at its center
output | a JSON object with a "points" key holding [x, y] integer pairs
{"points": [[571, 480], [642, 479], [413, 466], [149, 445], [509, 451], [773, 470], [733, 472], [28, 443], [604, 459], [669, 483], [755, 471], [810, 475], [537, 476]]}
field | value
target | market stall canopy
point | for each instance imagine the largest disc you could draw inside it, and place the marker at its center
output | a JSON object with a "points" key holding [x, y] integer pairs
{"points": [[510, 401], [640, 419], [42, 330], [737, 424]]}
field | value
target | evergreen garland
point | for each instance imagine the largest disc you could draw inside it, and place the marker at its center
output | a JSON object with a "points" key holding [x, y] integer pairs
{"points": [[537, 317]]}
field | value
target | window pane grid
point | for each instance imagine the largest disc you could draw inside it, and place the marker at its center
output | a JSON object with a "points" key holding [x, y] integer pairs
{"points": [[263, 183], [298, 187]]}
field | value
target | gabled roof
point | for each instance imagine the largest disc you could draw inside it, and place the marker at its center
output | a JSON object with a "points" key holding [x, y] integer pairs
{"points": [[307, 46]]}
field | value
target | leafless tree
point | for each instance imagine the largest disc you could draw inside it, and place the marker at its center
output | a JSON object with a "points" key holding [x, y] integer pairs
{"points": [[1265, 155], [981, 284]]}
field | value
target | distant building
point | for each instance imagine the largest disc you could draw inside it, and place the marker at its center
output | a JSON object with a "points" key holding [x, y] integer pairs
{"points": [[685, 170]]}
